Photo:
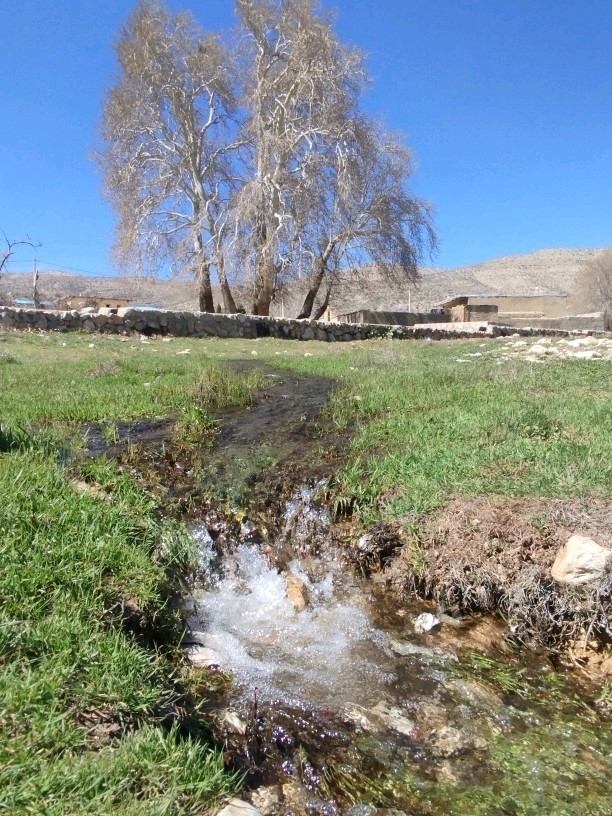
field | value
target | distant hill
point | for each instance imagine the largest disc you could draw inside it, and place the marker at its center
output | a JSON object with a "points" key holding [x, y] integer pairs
{"points": [[546, 271]]}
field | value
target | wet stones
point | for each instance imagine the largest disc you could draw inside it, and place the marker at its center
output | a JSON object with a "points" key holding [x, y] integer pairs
{"points": [[307, 520], [426, 654], [266, 800], [382, 716], [394, 718], [449, 742], [580, 561]]}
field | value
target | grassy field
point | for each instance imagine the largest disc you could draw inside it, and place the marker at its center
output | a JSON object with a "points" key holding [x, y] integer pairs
{"points": [[88, 637]]}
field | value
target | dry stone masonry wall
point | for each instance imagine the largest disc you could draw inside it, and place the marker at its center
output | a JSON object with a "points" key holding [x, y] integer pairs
{"points": [[201, 324]]}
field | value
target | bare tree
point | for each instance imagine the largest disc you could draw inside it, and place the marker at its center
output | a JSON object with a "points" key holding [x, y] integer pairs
{"points": [[168, 132], [361, 214], [302, 82], [8, 250], [596, 284]]}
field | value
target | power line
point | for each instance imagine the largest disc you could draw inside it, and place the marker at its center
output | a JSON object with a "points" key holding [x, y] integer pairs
{"points": [[75, 269], [64, 268]]}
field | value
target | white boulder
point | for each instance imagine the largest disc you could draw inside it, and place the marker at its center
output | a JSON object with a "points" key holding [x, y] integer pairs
{"points": [[580, 561]]}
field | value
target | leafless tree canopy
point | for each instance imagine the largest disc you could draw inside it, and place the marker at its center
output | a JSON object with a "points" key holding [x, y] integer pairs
{"points": [[168, 135], [265, 180], [596, 284]]}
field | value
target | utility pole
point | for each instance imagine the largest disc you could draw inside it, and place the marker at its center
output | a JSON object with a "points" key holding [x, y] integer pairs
{"points": [[35, 286]]}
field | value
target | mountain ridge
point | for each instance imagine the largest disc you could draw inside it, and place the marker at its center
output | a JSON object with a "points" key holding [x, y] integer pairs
{"points": [[544, 271]]}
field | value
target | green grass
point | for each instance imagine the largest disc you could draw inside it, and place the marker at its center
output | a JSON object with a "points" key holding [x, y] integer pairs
{"points": [[88, 636], [425, 428], [70, 565]]}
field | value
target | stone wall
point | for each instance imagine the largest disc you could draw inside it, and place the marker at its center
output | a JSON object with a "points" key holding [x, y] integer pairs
{"points": [[200, 324]]}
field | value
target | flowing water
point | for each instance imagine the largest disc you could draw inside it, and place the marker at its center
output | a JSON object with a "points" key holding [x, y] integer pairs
{"points": [[341, 708]]}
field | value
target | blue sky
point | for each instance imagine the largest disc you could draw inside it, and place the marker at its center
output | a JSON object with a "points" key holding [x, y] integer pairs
{"points": [[506, 104]]}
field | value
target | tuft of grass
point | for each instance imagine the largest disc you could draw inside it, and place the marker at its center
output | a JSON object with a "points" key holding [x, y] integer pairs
{"points": [[220, 388]]}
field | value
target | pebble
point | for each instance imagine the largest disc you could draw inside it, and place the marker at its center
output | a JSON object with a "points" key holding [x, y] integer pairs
{"points": [[426, 622]]}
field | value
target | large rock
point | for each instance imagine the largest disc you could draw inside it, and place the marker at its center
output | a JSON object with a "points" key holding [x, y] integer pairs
{"points": [[449, 741], [580, 561]]}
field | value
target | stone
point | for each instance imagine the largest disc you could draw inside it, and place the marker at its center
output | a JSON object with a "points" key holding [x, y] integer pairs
{"points": [[431, 716], [449, 741], [232, 722], [359, 715], [587, 355], [202, 656], [238, 807], [90, 490], [266, 800], [580, 561], [426, 653], [394, 718], [426, 622], [297, 592]]}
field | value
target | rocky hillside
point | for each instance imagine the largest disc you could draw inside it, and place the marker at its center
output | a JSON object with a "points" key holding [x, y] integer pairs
{"points": [[545, 271]]}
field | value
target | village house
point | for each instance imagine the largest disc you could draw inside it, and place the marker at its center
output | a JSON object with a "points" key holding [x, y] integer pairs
{"points": [[95, 301]]}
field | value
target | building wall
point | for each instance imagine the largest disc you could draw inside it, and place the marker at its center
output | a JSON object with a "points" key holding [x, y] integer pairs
{"points": [[537, 305], [78, 301], [391, 318]]}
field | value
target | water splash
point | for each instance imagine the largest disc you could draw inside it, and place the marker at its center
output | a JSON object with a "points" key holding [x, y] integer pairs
{"points": [[326, 654]]}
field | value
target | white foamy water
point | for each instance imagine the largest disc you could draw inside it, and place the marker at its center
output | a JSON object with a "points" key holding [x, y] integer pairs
{"points": [[324, 655]]}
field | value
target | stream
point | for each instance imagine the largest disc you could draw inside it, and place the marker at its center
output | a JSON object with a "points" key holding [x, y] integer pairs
{"points": [[338, 706], [315, 680]]}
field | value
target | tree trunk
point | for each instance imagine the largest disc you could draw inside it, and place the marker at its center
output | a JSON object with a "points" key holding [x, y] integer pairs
{"points": [[202, 269], [309, 300], [263, 299], [205, 295], [323, 307], [264, 287], [229, 304]]}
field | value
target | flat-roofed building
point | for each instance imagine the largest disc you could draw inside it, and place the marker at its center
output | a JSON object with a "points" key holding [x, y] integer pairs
{"points": [[95, 301]]}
